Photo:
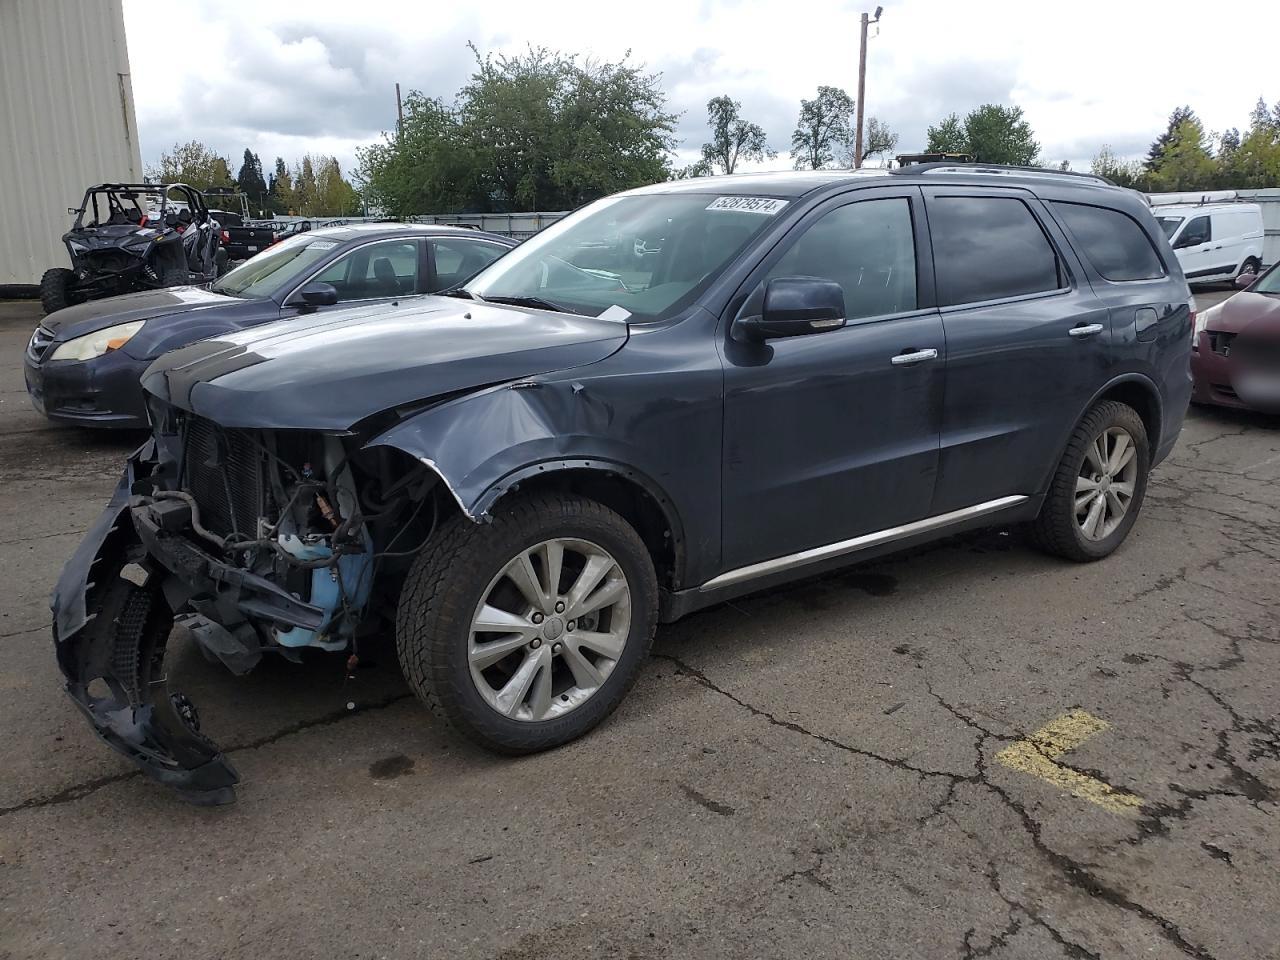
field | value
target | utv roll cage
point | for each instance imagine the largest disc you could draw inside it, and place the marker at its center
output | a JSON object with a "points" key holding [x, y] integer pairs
{"points": [[105, 202]]}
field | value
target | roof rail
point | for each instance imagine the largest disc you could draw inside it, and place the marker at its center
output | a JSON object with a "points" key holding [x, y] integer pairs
{"points": [[997, 168]]}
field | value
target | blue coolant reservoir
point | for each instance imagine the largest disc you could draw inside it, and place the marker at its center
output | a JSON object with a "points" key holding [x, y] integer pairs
{"points": [[351, 577]]}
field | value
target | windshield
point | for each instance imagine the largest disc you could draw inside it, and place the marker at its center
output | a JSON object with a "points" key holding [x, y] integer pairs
{"points": [[651, 254], [265, 274], [1269, 282], [1169, 225]]}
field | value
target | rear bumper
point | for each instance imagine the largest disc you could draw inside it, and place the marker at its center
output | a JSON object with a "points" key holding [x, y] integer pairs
{"points": [[103, 392]]}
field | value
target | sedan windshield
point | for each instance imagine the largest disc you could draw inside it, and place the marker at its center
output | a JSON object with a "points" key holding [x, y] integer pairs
{"points": [[651, 254], [265, 274], [1268, 283]]}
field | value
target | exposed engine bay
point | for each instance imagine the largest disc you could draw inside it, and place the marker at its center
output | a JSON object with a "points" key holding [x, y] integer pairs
{"points": [[257, 542]]}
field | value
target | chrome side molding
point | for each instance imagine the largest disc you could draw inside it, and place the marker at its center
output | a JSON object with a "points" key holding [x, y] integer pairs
{"points": [[867, 540]]}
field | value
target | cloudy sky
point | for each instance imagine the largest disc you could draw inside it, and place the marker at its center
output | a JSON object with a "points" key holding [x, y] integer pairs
{"points": [[319, 76]]}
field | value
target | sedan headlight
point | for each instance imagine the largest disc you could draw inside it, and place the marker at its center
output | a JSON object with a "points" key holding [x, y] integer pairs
{"points": [[96, 344]]}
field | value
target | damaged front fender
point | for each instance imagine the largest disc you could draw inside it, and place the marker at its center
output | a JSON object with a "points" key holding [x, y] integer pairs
{"points": [[110, 625]]}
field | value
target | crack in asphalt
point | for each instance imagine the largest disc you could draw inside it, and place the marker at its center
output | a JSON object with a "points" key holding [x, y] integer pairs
{"points": [[1076, 874], [80, 790]]}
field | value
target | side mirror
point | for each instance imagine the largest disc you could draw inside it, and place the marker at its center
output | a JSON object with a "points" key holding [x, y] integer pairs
{"points": [[1244, 281], [794, 307], [317, 294]]}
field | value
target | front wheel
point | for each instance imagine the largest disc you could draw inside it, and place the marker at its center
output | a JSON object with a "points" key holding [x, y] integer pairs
{"points": [[527, 632], [1099, 485], [57, 289]]}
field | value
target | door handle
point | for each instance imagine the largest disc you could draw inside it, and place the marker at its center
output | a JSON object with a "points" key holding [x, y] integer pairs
{"points": [[914, 356], [1088, 330]]}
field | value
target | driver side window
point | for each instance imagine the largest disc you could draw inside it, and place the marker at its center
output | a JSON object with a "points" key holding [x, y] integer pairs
{"points": [[1195, 233], [867, 247], [375, 271]]}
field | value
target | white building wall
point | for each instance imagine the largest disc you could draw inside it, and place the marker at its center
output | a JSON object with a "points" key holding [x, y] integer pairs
{"points": [[66, 121]]}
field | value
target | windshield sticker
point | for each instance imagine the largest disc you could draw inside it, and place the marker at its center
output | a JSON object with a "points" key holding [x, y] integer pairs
{"points": [[322, 244], [765, 205]]}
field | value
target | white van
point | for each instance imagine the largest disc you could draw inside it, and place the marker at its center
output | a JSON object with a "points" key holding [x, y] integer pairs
{"points": [[1213, 240]]}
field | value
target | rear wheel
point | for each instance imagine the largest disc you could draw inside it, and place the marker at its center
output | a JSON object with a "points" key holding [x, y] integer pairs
{"points": [[57, 289], [527, 632], [1250, 267], [1097, 490]]}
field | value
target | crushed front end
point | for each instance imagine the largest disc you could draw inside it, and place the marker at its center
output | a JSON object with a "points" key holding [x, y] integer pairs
{"points": [[257, 543]]}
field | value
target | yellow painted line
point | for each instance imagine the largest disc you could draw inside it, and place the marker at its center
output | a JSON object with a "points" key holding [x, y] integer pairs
{"points": [[1037, 754]]}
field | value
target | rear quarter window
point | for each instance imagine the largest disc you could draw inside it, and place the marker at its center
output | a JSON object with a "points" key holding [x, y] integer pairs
{"points": [[1112, 241]]}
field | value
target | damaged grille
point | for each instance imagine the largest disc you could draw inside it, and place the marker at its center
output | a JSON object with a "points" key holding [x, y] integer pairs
{"points": [[223, 471]]}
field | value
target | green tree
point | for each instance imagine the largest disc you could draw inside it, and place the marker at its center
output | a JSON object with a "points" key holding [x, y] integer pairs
{"points": [[334, 196], [426, 167], [996, 134], [281, 189], [733, 139], [251, 181], [612, 132], [536, 131], [990, 134], [699, 168], [824, 126], [1156, 153], [195, 164], [1255, 162], [947, 137], [1123, 173], [1184, 161], [880, 140]]}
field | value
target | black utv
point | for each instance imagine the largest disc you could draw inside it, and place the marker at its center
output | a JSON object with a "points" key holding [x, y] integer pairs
{"points": [[135, 236]]}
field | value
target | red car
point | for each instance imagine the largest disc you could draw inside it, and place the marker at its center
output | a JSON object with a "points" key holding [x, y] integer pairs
{"points": [[1236, 350]]}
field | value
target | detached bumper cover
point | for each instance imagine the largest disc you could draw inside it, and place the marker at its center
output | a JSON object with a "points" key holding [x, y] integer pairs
{"points": [[109, 635]]}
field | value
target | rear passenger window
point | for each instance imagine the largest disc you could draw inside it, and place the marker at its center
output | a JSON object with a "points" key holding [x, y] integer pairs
{"points": [[868, 248], [1112, 241], [989, 248]]}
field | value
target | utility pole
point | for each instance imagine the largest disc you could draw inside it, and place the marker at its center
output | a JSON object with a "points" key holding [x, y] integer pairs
{"points": [[400, 106], [862, 85]]}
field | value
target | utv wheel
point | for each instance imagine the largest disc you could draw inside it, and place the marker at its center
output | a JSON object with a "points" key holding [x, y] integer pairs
{"points": [[175, 277], [57, 289], [1098, 488], [527, 632]]}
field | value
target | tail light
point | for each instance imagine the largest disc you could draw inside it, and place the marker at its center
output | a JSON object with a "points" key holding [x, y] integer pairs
{"points": [[226, 236]]}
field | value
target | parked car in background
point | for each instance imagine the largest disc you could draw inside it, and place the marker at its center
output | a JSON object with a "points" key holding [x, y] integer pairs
{"points": [[522, 478], [1236, 358], [135, 236], [1214, 241], [82, 364]]}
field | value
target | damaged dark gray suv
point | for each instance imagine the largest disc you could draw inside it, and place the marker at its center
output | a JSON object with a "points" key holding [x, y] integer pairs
{"points": [[673, 396]]}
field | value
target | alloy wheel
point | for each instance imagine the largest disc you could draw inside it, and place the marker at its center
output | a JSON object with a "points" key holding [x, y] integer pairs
{"points": [[1106, 483], [549, 629]]}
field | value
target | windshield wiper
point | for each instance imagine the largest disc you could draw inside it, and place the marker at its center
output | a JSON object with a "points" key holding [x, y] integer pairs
{"points": [[537, 303], [459, 292]]}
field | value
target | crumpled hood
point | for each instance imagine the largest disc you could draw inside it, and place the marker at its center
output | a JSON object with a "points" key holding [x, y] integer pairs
{"points": [[145, 305], [332, 369], [1239, 311]]}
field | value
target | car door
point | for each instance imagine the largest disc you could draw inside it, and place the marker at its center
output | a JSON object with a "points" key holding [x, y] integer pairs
{"points": [[835, 434], [1194, 247], [455, 260], [380, 270], [1028, 342]]}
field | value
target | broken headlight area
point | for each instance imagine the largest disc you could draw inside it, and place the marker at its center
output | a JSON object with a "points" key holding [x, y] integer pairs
{"points": [[258, 543]]}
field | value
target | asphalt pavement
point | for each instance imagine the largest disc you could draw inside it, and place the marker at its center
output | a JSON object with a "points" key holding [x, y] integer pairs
{"points": [[973, 750]]}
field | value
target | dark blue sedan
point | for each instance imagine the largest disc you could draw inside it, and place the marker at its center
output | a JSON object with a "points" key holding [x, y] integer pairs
{"points": [[83, 363]]}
